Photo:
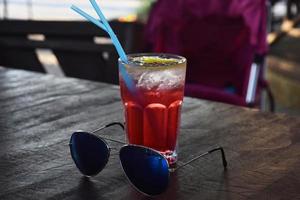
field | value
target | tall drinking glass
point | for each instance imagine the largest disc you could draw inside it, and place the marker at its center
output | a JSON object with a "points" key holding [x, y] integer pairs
{"points": [[152, 109]]}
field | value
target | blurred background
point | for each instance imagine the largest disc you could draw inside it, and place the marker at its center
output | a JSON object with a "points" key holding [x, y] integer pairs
{"points": [[59, 10], [45, 51]]}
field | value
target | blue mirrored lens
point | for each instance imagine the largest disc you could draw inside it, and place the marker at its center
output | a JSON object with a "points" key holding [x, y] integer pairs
{"points": [[89, 153], [147, 170]]}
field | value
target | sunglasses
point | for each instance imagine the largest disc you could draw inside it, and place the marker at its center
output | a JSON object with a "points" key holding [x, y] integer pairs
{"points": [[146, 168]]}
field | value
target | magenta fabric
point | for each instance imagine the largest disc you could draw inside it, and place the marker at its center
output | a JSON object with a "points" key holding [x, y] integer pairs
{"points": [[218, 37], [171, 15], [204, 92]]}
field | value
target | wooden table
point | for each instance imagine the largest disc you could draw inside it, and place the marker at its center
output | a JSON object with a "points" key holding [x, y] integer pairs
{"points": [[39, 113]]}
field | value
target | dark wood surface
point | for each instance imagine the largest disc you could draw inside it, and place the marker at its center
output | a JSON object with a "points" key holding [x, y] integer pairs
{"points": [[39, 113]]}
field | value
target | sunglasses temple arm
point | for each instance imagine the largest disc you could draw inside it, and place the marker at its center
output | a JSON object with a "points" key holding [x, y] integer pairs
{"points": [[206, 153], [108, 125], [224, 161]]}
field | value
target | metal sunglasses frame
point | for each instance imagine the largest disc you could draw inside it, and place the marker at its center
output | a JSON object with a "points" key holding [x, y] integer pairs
{"points": [[103, 138]]}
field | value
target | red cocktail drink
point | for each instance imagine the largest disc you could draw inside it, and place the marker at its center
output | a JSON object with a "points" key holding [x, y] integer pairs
{"points": [[152, 110]]}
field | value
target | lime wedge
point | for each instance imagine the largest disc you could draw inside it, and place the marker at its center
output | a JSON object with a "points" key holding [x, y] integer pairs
{"points": [[157, 60]]}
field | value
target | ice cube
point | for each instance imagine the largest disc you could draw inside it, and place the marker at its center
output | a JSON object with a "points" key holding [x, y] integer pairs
{"points": [[162, 79]]}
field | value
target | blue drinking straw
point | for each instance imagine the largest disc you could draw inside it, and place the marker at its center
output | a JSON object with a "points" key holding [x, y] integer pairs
{"points": [[88, 17], [109, 31], [103, 24]]}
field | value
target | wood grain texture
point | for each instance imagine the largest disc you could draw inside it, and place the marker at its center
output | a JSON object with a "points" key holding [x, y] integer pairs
{"points": [[39, 113]]}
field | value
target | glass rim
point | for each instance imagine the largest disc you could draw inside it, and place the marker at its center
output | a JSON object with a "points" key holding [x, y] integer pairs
{"points": [[180, 59]]}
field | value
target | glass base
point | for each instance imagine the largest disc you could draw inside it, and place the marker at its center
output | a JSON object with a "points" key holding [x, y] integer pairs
{"points": [[171, 157]]}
